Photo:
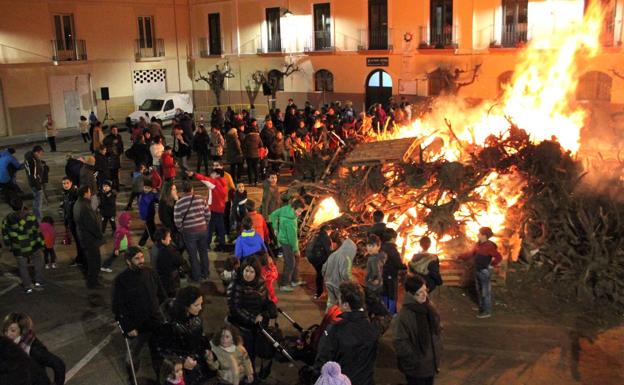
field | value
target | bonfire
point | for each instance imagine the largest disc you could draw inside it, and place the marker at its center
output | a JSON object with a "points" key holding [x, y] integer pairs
{"points": [[511, 164]]}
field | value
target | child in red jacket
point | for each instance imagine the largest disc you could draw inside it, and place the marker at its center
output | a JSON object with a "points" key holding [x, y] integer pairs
{"points": [[49, 238], [167, 163], [122, 240], [269, 273], [484, 255]]}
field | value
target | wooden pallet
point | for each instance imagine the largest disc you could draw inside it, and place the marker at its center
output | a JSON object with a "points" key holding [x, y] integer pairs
{"points": [[458, 273], [387, 151]]}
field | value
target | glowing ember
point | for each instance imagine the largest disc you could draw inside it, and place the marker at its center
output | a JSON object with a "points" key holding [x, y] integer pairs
{"points": [[326, 211]]}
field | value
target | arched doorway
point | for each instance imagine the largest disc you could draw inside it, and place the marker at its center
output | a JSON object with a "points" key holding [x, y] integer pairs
{"points": [[378, 88]]}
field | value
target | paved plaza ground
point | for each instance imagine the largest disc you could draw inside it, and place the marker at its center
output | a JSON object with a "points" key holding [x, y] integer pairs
{"points": [[531, 338]]}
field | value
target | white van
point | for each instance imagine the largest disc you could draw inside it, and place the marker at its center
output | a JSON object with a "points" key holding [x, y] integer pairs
{"points": [[163, 107]]}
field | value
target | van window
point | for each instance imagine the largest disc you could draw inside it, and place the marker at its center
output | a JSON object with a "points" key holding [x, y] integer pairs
{"points": [[151, 105], [168, 105]]}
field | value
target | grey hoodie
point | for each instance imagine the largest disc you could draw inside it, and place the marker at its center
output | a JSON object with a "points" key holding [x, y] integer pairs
{"points": [[337, 269]]}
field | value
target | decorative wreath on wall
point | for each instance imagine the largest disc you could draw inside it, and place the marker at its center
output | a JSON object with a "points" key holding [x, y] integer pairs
{"points": [[408, 36]]}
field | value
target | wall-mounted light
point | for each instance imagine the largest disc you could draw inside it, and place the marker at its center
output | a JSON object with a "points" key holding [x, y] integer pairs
{"points": [[288, 13]]}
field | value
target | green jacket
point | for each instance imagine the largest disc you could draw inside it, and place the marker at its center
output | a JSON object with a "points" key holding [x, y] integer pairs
{"points": [[20, 232], [284, 221]]}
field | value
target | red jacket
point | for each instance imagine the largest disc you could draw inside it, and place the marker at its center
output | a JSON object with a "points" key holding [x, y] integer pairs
{"points": [[122, 230], [219, 189], [168, 166], [259, 224], [484, 254], [269, 274], [49, 234], [156, 180]]}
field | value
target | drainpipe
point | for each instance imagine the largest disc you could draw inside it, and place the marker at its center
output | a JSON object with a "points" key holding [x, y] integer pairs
{"points": [[175, 25]]}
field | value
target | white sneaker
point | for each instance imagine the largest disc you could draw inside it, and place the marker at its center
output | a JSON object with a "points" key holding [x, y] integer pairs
{"points": [[54, 265], [298, 283], [106, 269], [286, 289], [47, 266]]}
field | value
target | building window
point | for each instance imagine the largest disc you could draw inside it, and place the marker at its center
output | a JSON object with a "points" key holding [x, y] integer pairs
{"points": [[64, 32], [214, 34], [324, 81], [146, 32], [515, 22], [594, 86], [608, 27], [504, 80], [377, 24], [441, 23], [274, 38], [322, 27], [276, 80]]}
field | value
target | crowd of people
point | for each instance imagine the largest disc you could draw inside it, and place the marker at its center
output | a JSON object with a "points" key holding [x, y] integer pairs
{"points": [[149, 302]]}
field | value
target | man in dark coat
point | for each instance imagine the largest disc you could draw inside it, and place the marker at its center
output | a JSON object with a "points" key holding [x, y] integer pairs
{"points": [[89, 231], [33, 164], [319, 251], [137, 296], [70, 196], [353, 341], [87, 178], [251, 150], [115, 147], [392, 267]]}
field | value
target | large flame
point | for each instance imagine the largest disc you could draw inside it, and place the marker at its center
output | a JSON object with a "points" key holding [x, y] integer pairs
{"points": [[326, 211], [538, 100]]}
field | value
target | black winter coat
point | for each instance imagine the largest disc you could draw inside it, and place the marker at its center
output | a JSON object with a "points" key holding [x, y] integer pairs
{"points": [[352, 343], [72, 170], [182, 337], [233, 149], [115, 147], [394, 263], [69, 199], [34, 171], [87, 223], [321, 249], [40, 354], [165, 214], [108, 204], [248, 299], [137, 295], [200, 143], [167, 265], [87, 177]]}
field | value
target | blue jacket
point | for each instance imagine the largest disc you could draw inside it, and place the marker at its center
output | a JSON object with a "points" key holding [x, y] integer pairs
{"points": [[5, 160], [147, 203], [248, 243]]}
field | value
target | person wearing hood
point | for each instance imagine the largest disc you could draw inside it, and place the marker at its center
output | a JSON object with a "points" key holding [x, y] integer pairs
{"points": [[317, 253], [417, 334], [122, 240], [248, 243], [228, 357], [284, 222], [167, 261], [352, 342], [337, 270], [34, 171], [137, 295], [249, 304]]}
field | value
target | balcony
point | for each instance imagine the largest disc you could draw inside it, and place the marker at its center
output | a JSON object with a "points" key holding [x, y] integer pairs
{"points": [[69, 50], [320, 41], [437, 37], [371, 40], [267, 46], [514, 35], [204, 49], [143, 50]]}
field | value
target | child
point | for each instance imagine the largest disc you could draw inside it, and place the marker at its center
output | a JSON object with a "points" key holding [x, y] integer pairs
{"points": [[379, 226], [331, 374], [230, 267], [374, 266], [108, 205], [167, 164], [426, 265], [228, 357], [147, 211], [257, 220], [168, 262], [121, 241], [484, 255], [248, 243], [391, 269], [239, 210], [269, 273], [137, 185], [337, 270], [49, 236], [172, 371]]}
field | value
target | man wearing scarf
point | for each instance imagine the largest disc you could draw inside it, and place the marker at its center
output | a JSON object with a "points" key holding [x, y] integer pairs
{"points": [[417, 334]]}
